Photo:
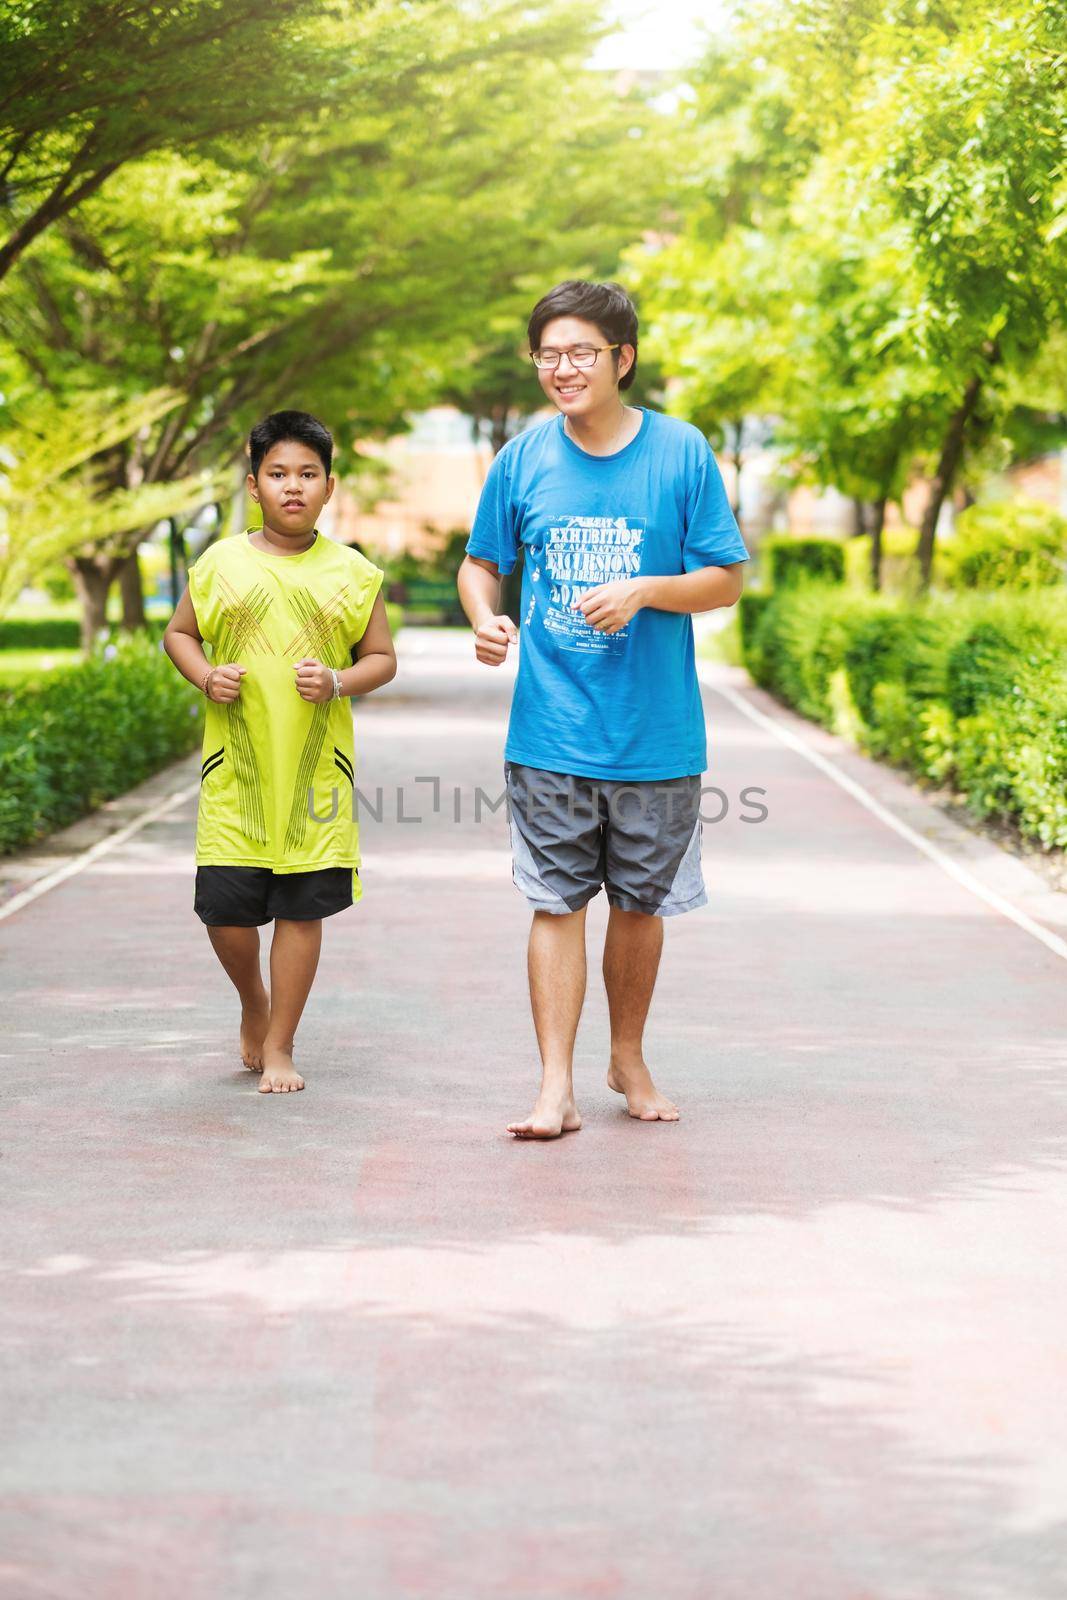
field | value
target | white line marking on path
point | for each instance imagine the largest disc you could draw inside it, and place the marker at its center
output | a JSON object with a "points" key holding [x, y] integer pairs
{"points": [[997, 902], [94, 852]]}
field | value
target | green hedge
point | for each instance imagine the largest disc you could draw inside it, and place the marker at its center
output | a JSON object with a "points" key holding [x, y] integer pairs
{"points": [[1005, 544], [40, 633], [966, 690], [87, 733], [51, 633], [788, 561]]}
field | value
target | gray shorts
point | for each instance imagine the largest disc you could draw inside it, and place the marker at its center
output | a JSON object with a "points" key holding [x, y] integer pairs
{"points": [[571, 836]]}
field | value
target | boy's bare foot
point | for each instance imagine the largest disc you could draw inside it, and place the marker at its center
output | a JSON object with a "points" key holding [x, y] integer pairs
{"points": [[643, 1099], [279, 1074], [255, 1019], [552, 1115]]}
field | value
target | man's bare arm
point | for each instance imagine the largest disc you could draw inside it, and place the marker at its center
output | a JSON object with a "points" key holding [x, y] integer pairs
{"points": [[478, 583], [705, 589], [610, 606]]}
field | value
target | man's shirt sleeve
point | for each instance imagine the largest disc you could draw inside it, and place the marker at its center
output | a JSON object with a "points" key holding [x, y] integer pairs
{"points": [[711, 537], [493, 536]]}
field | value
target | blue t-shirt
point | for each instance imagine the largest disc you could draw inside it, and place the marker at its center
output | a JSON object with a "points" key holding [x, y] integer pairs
{"points": [[614, 706]]}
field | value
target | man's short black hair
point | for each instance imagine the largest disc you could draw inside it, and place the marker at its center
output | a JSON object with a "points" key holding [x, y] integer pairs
{"points": [[605, 304], [282, 426]]}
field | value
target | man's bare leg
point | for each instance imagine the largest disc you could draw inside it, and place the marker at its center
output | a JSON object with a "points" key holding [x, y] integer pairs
{"points": [[294, 958], [556, 963], [631, 961], [238, 951]]}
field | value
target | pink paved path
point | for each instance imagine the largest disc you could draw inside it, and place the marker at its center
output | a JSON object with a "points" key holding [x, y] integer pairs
{"points": [[806, 1344]]}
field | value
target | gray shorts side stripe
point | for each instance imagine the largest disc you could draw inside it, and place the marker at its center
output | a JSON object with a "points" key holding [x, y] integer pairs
{"points": [[687, 892], [525, 876]]}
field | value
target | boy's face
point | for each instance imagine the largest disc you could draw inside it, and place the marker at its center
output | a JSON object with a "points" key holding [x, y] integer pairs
{"points": [[578, 391], [292, 487]]}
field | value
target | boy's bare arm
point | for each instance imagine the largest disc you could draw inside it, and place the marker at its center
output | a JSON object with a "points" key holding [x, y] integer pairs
{"points": [[375, 655], [478, 583], [183, 643], [375, 663]]}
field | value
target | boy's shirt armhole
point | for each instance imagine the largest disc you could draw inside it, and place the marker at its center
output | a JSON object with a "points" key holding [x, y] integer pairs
{"points": [[374, 586], [198, 598]]}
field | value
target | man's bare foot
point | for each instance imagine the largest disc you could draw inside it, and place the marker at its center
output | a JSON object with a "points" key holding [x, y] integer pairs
{"points": [[643, 1099], [255, 1018], [552, 1115], [279, 1074]]}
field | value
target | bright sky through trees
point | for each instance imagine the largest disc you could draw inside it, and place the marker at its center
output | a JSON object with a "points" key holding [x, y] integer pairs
{"points": [[659, 35]]}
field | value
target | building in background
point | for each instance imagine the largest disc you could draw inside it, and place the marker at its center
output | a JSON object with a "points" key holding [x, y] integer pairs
{"points": [[436, 471], [434, 475]]}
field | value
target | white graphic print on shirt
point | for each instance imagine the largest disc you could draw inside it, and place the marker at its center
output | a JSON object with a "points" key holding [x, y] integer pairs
{"points": [[580, 553]]}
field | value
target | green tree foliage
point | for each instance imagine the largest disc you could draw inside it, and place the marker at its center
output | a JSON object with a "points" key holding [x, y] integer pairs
{"points": [[352, 261], [52, 500], [89, 85], [893, 255]]}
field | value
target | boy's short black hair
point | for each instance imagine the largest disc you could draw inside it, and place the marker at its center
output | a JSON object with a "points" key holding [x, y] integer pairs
{"points": [[299, 426], [605, 304]]}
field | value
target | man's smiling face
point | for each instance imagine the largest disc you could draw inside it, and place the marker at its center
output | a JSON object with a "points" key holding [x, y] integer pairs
{"points": [[581, 391]]}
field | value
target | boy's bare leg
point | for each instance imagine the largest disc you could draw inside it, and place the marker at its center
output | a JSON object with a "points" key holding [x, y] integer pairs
{"points": [[294, 957], [238, 951], [556, 963], [631, 960]]}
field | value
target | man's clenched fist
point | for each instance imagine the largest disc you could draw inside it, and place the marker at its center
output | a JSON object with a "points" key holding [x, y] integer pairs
{"points": [[491, 640]]}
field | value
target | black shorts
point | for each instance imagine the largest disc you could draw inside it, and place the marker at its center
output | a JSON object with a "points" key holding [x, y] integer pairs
{"points": [[247, 897]]}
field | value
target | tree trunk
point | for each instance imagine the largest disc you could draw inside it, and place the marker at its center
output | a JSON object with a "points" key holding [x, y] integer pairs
{"points": [[941, 483], [499, 427], [132, 590], [877, 527], [93, 577], [736, 456], [859, 517], [172, 552]]}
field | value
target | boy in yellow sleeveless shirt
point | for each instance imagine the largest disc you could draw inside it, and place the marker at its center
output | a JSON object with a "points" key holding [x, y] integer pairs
{"points": [[297, 626]]}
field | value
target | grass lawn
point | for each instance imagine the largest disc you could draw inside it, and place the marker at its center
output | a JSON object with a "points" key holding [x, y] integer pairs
{"points": [[18, 665]]}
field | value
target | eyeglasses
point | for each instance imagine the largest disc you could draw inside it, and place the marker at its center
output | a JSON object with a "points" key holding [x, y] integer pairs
{"points": [[581, 355]]}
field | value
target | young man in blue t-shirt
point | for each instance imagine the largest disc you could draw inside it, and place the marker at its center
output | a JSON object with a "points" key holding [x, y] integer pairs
{"points": [[626, 531]]}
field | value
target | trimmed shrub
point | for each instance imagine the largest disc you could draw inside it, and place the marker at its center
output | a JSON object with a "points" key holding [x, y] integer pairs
{"points": [[54, 633], [968, 691], [750, 608], [791, 561], [40, 633], [1009, 544], [87, 733], [978, 668]]}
